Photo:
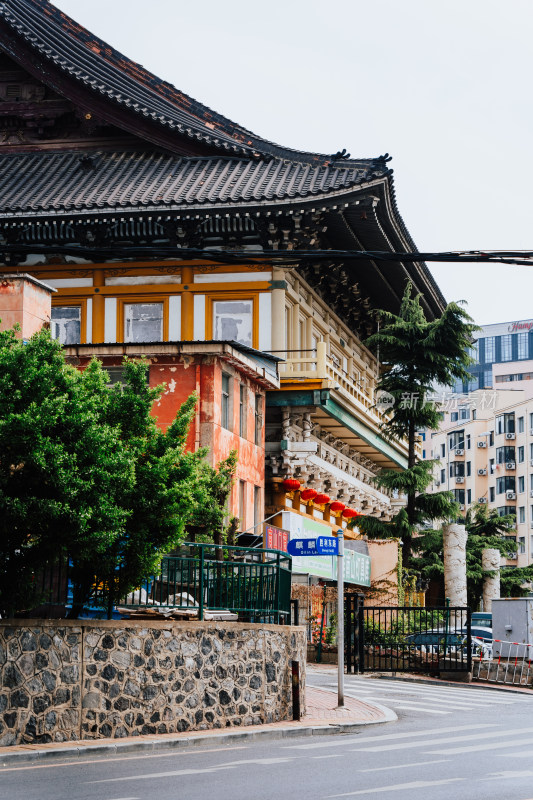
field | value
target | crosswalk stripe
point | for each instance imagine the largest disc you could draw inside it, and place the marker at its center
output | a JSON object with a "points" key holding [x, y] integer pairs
{"points": [[398, 787], [471, 696], [392, 736], [396, 686], [518, 742], [444, 740], [421, 708], [415, 701]]}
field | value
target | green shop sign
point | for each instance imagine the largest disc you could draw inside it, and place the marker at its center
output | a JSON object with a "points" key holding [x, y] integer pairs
{"points": [[356, 565]]}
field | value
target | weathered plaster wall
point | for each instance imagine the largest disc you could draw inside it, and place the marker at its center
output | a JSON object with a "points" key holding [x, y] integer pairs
{"points": [[64, 680]]}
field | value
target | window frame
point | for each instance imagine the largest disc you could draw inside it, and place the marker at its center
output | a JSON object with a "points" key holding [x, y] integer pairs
{"points": [[74, 301], [132, 300], [229, 297]]}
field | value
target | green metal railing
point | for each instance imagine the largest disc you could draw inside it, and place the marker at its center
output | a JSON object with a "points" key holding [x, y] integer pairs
{"points": [[253, 583]]}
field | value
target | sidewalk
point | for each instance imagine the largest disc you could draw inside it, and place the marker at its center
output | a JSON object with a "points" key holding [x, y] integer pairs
{"points": [[322, 718]]}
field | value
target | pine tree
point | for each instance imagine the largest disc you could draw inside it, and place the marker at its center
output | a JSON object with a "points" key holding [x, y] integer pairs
{"points": [[416, 355]]}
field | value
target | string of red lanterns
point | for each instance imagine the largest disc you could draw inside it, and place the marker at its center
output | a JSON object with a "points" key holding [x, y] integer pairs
{"points": [[320, 498]]}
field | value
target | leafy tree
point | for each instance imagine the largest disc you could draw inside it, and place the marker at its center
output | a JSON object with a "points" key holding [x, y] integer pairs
{"points": [[416, 355], [86, 472], [486, 529]]}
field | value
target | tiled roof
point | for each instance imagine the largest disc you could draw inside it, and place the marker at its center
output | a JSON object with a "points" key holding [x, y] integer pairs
{"points": [[70, 181], [56, 39]]}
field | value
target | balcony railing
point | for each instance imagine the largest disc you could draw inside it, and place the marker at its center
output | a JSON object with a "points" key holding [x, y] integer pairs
{"points": [[317, 366]]}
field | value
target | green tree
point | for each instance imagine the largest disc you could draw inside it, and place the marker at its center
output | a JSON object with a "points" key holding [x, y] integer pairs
{"points": [[416, 355], [85, 471]]}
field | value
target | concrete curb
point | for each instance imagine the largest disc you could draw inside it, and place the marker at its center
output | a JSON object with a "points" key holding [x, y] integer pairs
{"points": [[117, 748]]}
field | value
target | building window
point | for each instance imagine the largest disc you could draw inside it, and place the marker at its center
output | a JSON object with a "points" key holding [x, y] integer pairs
{"points": [[521, 483], [521, 454], [531, 482], [468, 468], [242, 411], [506, 344], [521, 424], [531, 422], [523, 345], [257, 507], [503, 511], [505, 423], [521, 545], [442, 475], [459, 496], [492, 495], [225, 404], [443, 449], [242, 502], [233, 321], [469, 496], [505, 454], [522, 514], [454, 416], [457, 469], [507, 483], [258, 428], [468, 441], [487, 379], [473, 384], [65, 324], [491, 466], [491, 439], [489, 349], [143, 322], [456, 441]]}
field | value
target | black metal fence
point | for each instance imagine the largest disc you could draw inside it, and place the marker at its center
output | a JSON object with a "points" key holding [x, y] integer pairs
{"points": [[408, 639]]}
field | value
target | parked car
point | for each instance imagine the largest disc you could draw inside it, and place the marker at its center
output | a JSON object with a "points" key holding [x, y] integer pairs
{"points": [[434, 642], [483, 618]]}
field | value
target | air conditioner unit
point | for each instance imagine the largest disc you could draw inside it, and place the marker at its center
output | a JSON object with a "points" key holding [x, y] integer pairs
{"points": [[531, 462], [482, 500], [482, 472], [509, 436], [459, 479], [481, 445], [459, 452], [510, 465], [461, 508], [510, 495], [437, 483]]}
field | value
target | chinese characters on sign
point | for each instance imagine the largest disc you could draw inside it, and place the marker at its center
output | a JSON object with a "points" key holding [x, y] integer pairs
{"points": [[321, 546], [276, 538]]}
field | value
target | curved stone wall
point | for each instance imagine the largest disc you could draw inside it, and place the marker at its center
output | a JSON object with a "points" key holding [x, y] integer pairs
{"points": [[63, 680]]}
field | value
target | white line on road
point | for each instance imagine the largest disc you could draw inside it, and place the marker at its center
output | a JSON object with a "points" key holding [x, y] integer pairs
{"points": [[404, 766], [419, 701], [398, 787], [445, 740], [388, 736], [403, 707], [488, 746]]}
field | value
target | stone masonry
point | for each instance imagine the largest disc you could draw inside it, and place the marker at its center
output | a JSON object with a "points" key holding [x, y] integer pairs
{"points": [[64, 680]]}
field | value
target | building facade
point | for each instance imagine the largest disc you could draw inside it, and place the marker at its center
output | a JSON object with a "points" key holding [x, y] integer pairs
{"points": [[501, 353], [164, 229]]}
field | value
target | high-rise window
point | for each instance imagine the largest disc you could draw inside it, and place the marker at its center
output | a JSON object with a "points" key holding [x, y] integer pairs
{"points": [[143, 322], [65, 324], [521, 483], [233, 321], [507, 483], [521, 454], [523, 345], [522, 514], [257, 507], [489, 349], [506, 344], [242, 501], [521, 425], [225, 404], [487, 379]]}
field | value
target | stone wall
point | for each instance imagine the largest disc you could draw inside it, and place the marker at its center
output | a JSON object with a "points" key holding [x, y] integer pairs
{"points": [[63, 680]]}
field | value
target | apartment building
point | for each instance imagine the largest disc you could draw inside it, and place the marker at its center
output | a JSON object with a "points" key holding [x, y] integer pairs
{"points": [[484, 453]]}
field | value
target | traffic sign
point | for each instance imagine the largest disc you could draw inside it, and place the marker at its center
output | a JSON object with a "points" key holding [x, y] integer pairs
{"points": [[320, 546]]}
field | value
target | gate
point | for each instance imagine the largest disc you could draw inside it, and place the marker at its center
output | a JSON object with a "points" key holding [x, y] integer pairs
{"points": [[406, 639]]}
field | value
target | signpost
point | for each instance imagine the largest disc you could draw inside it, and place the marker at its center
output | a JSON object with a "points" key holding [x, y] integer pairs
{"points": [[329, 546]]}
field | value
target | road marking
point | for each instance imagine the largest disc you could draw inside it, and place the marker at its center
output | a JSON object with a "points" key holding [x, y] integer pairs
{"points": [[443, 692], [403, 766], [525, 773], [444, 740], [399, 787], [488, 746], [174, 774], [388, 736], [130, 757], [419, 701], [331, 755], [420, 708]]}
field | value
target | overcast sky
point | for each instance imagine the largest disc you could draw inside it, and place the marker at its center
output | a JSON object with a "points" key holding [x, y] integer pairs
{"points": [[443, 86]]}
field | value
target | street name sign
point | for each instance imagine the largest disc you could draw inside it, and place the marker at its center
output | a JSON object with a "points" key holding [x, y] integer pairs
{"points": [[320, 546]]}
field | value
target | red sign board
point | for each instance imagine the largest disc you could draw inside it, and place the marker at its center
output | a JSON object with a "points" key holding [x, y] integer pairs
{"points": [[276, 538]]}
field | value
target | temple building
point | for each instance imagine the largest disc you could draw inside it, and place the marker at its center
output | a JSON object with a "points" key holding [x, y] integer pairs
{"points": [[160, 226]]}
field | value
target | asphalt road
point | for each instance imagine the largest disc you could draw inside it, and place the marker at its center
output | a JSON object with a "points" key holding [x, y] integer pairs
{"points": [[480, 747]]}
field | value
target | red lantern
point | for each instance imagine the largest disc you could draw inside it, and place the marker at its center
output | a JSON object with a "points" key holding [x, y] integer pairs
{"points": [[308, 494], [291, 484], [321, 499], [350, 513], [337, 506]]}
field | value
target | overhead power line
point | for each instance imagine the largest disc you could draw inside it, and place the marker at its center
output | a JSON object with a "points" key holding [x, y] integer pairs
{"points": [[290, 258]]}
